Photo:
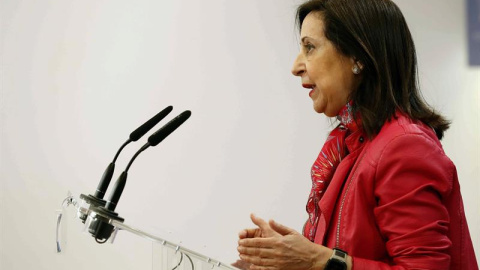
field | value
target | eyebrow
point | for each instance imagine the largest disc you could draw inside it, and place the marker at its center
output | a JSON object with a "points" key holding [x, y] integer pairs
{"points": [[304, 38]]}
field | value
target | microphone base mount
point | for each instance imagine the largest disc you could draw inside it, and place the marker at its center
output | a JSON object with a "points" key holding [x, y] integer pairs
{"points": [[100, 225], [90, 202]]}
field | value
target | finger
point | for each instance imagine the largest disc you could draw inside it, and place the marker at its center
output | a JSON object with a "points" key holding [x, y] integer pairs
{"points": [[256, 251], [257, 261], [248, 233], [256, 242], [243, 234], [263, 225], [256, 267], [279, 228], [241, 265]]}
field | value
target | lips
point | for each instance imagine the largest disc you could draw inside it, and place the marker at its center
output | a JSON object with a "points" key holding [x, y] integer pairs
{"points": [[310, 86]]}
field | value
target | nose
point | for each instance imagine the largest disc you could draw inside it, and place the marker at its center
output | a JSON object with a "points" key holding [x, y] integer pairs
{"points": [[298, 68]]}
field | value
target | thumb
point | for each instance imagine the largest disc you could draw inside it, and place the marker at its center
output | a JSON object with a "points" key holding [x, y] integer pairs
{"points": [[281, 229], [262, 224]]}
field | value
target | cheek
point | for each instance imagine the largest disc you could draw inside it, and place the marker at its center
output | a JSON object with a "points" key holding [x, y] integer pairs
{"points": [[316, 73], [334, 87]]}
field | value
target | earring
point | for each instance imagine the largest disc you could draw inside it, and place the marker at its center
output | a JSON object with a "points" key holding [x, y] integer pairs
{"points": [[356, 70]]}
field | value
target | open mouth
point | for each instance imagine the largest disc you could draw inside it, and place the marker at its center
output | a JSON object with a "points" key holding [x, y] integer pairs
{"points": [[310, 86]]}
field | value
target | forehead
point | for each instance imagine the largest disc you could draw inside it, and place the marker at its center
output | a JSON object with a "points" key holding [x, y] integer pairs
{"points": [[312, 25]]}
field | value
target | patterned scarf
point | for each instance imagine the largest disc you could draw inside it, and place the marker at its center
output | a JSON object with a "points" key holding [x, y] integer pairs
{"points": [[332, 153]]}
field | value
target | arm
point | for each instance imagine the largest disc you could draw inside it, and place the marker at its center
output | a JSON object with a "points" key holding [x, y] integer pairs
{"points": [[413, 177]]}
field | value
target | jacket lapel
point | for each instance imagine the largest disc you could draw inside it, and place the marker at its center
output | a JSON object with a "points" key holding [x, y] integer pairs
{"points": [[332, 195]]}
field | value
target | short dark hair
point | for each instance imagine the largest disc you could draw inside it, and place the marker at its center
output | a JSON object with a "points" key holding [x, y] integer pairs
{"points": [[375, 33]]}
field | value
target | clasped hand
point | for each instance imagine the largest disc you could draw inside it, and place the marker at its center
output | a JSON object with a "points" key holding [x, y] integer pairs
{"points": [[273, 246]]}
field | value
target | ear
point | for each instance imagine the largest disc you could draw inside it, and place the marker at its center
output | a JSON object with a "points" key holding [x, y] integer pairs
{"points": [[357, 62]]}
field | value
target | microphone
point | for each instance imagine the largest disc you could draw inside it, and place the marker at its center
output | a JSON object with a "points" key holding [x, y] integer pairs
{"points": [[101, 229], [153, 140], [97, 198], [134, 136]]}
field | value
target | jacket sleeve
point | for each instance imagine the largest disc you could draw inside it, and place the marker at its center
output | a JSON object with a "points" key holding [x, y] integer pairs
{"points": [[413, 177]]}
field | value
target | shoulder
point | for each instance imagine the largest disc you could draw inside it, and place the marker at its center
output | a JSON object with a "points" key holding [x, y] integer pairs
{"points": [[405, 140], [407, 153]]}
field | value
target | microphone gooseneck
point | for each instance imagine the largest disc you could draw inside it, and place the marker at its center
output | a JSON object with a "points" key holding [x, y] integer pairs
{"points": [[97, 200], [153, 140], [134, 136], [100, 227]]}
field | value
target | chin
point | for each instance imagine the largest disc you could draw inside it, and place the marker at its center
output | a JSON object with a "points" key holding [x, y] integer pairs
{"points": [[321, 108], [323, 111], [317, 110], [328, 113]]}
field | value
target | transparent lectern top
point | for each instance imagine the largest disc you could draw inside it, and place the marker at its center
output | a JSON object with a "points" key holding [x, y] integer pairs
{"points": [[166, 255]]}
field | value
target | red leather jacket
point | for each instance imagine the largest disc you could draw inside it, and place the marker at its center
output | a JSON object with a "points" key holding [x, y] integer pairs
{"points": [[395, 203]]}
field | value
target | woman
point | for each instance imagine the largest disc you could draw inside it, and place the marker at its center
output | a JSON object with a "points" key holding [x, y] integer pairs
{"points": [[384, 195]]}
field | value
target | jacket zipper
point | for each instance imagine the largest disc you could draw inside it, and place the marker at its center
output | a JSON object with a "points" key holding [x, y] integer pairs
{"points": [[337, 242]]}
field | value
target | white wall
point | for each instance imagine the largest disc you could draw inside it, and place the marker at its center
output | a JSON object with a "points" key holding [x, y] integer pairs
{"points": [[79, 76]]}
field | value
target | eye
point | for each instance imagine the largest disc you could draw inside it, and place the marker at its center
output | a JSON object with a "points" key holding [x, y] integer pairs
{"points": [[308, 47]]}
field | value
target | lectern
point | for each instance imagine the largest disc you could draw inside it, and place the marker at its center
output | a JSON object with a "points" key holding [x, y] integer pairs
{"points": [[166, 255], [103, 223]]}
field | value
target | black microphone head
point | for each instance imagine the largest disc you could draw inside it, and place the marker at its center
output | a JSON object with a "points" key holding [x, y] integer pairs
{"points": [[143, 129], [170, 127]]}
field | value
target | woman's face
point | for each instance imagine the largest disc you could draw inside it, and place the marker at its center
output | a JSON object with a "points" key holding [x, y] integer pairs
{"points": [[323, 69]]}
